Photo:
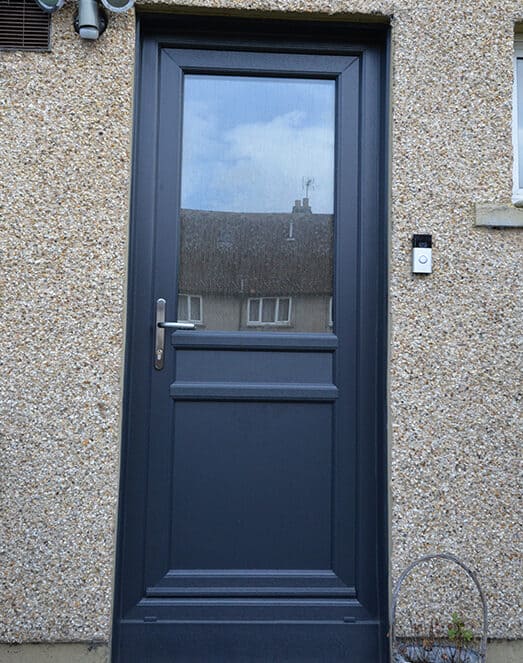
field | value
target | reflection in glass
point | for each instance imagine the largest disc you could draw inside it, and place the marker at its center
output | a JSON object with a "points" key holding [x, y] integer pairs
{"points": [[189, 308], [183, 308], [269, 310], [195, 308], [283, 310], [254, 310], [257, 203]]}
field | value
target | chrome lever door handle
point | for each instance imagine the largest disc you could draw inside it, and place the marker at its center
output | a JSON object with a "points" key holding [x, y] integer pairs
{"points": [[160, 327], [177, 325]]}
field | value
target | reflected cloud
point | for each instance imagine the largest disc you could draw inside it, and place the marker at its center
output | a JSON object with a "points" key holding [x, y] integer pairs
{"points": [[256, 161]]}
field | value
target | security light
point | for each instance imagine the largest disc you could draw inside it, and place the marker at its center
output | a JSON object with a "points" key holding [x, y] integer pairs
{"points": [[50, 5], [118, 5], [91, 20]]}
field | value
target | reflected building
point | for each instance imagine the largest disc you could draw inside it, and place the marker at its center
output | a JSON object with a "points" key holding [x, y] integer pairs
{"points": [[256, 271]]}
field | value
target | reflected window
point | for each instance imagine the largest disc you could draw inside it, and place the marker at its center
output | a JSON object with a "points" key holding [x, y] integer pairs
{"points": [[190, 308], [269, 311]]}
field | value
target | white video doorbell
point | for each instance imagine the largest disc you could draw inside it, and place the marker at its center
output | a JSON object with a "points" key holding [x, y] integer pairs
{"points": [[422, 254]]}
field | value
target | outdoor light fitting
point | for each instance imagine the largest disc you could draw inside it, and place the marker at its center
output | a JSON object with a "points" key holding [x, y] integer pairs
{"points": [[90, 20], [118, 5], [50, 6]]}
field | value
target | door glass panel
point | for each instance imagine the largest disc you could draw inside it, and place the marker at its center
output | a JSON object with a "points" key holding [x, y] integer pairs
{"points": [[195, 309], [283, 310], [257, 201], [183, 307], [254, 310], [269, 310]]}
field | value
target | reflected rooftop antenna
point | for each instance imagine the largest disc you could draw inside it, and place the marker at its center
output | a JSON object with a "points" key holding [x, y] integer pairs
{"points": [[308, 184]]}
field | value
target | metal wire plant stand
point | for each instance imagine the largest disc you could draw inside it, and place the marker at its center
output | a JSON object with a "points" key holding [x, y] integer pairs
{"points": [[414, 650]]}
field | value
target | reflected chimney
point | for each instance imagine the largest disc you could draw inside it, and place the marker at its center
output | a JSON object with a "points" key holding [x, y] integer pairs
{"points": [[302, 207]]}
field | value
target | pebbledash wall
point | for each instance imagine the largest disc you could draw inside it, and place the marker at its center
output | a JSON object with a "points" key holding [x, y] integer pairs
{"points": [[454, 368]]}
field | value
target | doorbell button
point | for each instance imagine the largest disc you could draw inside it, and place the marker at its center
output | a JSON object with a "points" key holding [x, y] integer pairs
{"points": [[422, 254]]}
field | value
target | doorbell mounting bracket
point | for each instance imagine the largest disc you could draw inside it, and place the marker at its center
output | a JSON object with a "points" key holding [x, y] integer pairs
{"points": [[422, 254]]}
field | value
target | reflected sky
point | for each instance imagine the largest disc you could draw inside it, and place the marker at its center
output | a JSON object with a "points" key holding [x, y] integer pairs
{"points": [[249, 143]]}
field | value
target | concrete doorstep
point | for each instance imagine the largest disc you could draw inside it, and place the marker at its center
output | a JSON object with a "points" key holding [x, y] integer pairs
{"points": [[498, 651]]}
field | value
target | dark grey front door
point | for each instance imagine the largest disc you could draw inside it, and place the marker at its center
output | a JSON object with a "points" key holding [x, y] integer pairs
{"points": [[252, 515]]}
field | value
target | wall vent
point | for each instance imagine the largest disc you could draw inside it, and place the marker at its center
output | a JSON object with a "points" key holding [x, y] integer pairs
{"points": [[24, 26]]}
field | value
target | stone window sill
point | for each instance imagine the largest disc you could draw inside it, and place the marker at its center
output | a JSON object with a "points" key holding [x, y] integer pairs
{"points": [[499, 216]]}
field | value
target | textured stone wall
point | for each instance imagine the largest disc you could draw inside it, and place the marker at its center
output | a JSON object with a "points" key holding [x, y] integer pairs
{"points": [[455, 374], [455, 381], [65, 127]]}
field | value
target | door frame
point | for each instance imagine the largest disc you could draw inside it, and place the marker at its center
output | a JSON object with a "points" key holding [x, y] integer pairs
{"points": [[275, 35]]}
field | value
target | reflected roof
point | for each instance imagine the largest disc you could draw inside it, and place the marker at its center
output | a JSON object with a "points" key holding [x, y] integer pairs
{"points": [[232, 253]]}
